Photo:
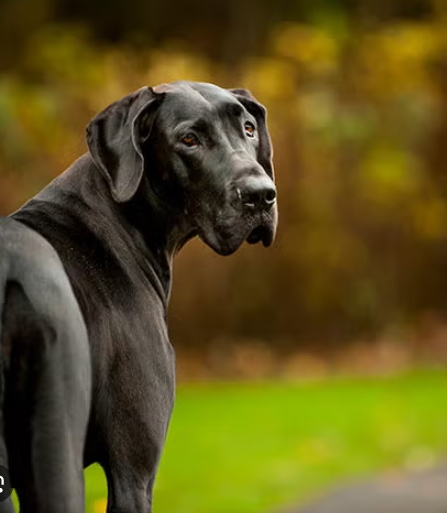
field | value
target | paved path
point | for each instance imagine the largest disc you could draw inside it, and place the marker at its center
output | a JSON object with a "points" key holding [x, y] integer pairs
{"points": [[423, 492]]}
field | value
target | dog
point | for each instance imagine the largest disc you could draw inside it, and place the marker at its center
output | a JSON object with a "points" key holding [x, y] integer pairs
{"points": [[165, 164]]}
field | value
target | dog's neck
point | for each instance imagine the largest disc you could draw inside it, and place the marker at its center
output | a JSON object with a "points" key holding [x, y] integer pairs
{"points": [[152, 233]]}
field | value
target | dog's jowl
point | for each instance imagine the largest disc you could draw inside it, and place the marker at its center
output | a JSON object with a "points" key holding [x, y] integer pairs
{"points": [[165, 164]]}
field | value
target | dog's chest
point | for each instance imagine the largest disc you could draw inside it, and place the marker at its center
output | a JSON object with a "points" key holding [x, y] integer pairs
{"points": [[127, 328]]}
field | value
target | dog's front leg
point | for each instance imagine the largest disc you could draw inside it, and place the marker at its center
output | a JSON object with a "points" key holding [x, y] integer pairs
{"points": [[127, 493], [134, 439], [133, 408], [130, 488]]}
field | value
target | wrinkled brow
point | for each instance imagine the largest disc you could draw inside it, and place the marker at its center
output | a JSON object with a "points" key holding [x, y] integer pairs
{"points": [[233, 109], [200, 124]]}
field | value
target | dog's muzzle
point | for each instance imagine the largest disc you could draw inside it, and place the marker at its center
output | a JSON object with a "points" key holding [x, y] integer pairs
{"points": [[258, 197]]}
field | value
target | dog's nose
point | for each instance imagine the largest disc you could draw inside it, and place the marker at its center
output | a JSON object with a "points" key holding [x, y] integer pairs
{"points": [[258, 194]]}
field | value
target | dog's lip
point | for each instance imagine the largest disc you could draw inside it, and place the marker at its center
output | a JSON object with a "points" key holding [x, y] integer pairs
{"points": [[262, 232], [226, 236], [255, 235], [220, 245]]}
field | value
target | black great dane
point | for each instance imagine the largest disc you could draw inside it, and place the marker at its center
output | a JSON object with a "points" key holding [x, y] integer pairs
{"points": [[165, 164]]}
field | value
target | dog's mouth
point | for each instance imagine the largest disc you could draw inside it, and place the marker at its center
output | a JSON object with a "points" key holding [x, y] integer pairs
{"points": [[260, 233], [226, 245], [226, 237]]}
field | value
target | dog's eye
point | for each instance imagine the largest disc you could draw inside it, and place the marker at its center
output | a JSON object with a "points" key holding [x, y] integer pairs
{"points": [[190, 140], [249, 129]]}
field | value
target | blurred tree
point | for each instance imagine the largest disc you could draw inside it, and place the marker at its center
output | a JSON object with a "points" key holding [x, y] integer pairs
{"points": [[227, 30], [357, 99]]}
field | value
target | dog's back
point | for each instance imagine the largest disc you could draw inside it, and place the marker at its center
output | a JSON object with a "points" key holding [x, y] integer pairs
{"points": [[44, 374]]}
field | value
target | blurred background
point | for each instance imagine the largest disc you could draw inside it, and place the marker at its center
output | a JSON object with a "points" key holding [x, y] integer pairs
{"points": [[323, 358]]}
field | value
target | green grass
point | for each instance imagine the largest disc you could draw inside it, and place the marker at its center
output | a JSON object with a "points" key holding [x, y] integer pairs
{"points": [[251, 448]]}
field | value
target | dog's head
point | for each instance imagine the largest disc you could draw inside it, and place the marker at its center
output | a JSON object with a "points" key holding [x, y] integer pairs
{"points": [[203, 151]]}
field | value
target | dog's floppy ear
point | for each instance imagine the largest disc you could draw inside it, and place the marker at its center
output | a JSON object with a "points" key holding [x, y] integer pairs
{"points": [[115, 136], [265, 151]]}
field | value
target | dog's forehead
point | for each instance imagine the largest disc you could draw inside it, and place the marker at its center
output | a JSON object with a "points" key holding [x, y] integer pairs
{"points": [[186, 100]]}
